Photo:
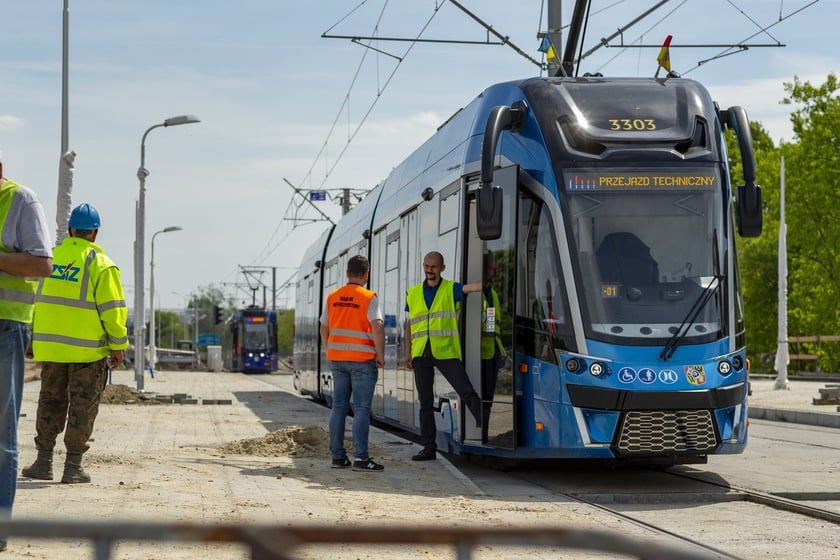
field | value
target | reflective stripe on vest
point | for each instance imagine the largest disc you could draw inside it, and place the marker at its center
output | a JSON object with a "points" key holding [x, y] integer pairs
{"points": [[350, 334], [438, 325], [17, 295]]}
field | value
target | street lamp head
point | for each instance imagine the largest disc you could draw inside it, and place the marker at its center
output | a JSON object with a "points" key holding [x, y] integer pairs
{"points": [[172, 228], [181, 119]]}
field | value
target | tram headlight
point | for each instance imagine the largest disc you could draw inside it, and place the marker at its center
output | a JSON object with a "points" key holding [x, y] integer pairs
{"points": [[724, 367], [596, 369], [573, 365], [737, 363]]}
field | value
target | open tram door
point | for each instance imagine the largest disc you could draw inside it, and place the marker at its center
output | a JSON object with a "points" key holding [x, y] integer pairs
{"points": [[488, 322]]}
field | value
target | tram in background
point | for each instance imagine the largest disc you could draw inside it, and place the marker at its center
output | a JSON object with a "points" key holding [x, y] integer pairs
{"points": [[606, 209], [253, 340]]}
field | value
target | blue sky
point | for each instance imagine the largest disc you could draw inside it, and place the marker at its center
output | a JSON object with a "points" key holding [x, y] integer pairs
{"points": [[270, 90]]}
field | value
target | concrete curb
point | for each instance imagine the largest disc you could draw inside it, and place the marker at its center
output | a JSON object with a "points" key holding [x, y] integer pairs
{"points": [[794, 416]]}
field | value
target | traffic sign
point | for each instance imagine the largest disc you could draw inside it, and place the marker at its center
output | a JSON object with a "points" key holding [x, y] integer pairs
{"points": [[206, 339]]}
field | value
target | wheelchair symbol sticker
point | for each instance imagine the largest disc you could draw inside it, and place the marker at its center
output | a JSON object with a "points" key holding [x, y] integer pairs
{"points": [[627, 375]]}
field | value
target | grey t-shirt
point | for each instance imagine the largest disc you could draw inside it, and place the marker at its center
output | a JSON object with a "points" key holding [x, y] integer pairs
{"points": [[25, 229]]}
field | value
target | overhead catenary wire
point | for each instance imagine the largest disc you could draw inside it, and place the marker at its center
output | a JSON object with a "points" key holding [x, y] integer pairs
{"points": [[624, 48], [730, 51], [379, 91], [746, 15], [331, 159], [344, 109], [292, 209]]}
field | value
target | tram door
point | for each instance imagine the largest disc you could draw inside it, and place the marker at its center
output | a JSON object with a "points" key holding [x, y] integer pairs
{"points": [[489, 319]]}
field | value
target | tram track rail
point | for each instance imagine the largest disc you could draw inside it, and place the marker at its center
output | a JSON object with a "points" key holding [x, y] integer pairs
{"points": [[614, 501], [604, 502], [681, 539], [716, 513], [771, 500]]}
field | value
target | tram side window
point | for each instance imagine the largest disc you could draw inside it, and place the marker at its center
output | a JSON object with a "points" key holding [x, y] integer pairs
{"points": [[331, 275], [541, 309]]}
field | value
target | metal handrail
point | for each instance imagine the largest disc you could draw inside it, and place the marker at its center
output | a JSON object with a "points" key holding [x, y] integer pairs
{"points": [[276, 542]]}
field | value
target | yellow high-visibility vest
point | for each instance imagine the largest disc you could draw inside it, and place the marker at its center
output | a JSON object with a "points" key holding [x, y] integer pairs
{"points": [[17, 295], [80, 311], [438, 325]]}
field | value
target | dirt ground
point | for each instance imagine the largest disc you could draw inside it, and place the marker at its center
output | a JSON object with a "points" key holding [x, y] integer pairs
{"points": [[293, 441], [264, 459]]}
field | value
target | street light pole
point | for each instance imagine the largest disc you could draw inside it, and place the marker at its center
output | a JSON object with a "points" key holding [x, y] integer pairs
{"points": [[140, 245], [152, 349]]}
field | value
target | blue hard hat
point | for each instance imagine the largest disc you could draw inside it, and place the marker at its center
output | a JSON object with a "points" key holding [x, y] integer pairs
{"points": [[84, 217]]}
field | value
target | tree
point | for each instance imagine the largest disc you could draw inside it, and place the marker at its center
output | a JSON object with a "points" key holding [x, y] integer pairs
{"points": [[813, 212], [812, 181], [759, 256], [170, 329], [285, 332]]}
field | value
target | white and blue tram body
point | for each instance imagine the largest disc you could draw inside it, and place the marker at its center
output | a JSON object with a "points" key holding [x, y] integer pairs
{"points": [[607, 207]]}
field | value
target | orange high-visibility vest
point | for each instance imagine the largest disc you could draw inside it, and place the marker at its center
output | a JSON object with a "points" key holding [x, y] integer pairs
{"points": [[351, 336]]}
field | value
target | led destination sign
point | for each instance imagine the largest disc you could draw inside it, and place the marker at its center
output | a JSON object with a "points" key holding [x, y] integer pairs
{"points": [[588, 181]]}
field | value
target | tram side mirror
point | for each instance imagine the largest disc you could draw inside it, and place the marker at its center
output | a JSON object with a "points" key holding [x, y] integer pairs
{"points": [[489, 196], [748, 210], [488, 215]]}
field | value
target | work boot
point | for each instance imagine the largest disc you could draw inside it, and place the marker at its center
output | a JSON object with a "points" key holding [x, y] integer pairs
{"points": [[42, 467], [73, 473]]}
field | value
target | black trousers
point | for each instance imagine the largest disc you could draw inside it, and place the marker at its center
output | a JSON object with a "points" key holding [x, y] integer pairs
{"points": [[424, 379]]}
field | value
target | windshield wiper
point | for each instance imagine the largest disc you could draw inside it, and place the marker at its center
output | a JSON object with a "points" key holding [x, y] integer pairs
{"points": [[690, 318], [698, 305]]}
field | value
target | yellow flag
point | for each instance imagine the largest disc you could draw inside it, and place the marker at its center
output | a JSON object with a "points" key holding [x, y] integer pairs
{"points": [[664, 58]]}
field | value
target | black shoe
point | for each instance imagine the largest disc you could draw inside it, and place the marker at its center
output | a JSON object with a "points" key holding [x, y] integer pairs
{"points": [[368, 465], [425, 455], [342, 463]]}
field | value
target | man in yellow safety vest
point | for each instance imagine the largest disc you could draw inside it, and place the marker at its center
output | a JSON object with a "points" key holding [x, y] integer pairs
{"points": [[25, 256], [432, 333], [78, 334]]}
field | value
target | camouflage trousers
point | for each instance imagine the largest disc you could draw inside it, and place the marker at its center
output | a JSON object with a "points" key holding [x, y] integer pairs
{"points": [[69, 393]]}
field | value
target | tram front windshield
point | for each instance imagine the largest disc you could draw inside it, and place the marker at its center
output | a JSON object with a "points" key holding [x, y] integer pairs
{"points": [[649, 248], [256, 336]]}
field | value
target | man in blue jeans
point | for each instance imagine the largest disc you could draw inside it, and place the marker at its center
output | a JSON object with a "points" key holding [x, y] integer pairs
{"points": [[351, 327], [25, 255]]}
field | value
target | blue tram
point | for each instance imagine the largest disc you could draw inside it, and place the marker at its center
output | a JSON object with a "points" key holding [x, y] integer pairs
{"points": [[253, 333], [605, 209]]}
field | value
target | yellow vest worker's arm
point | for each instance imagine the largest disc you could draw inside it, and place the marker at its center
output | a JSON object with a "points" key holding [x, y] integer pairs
{"points": [[112, 309]]}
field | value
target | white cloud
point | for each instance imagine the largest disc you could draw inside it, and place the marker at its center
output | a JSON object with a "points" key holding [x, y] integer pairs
{"points": [[10, 123]]}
